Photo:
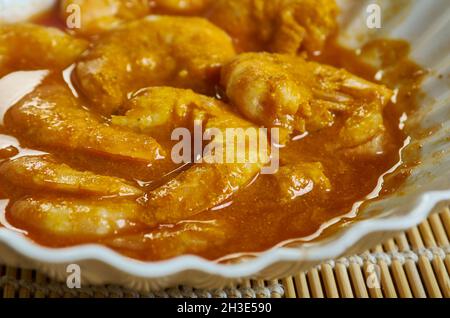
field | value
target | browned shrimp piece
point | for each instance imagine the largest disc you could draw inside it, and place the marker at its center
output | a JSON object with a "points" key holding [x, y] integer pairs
{"points": [[170, 241], [43, 173], [280, 26], [51, 117], [289, 92], [296, 180], [77, 219], [165, 51], [205, 185], [51, 48], [181, 7], [99, 16]]}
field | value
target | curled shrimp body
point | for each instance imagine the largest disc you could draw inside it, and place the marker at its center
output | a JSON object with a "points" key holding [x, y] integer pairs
{"points": [[280, 26], [169, 241], [289, 92], [165, 51], [50, 118], [44, 173], [98, 16], [204, 185], [75, 218]]}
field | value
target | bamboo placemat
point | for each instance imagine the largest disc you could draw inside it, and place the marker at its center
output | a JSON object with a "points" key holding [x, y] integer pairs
{"points": [[413, 264]]}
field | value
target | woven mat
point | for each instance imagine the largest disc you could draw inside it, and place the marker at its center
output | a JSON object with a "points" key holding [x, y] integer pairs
{"points": [[413, 264]]}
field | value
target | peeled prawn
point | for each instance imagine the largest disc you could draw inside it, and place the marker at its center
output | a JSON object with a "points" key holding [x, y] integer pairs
{"points": [[165, 51], [170, 241], [98, 16], [204, 185], [51, 117], [52, 48], [181, 6], [296, 180], [280, 26], [77, 219], [291, 93], [43, 173]]}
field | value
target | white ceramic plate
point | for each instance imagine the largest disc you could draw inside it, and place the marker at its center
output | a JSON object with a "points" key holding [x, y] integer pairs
{"points": [[425, 25]]}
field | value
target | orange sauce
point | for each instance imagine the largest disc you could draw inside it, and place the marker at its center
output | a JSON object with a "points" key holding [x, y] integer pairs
{"points": [[256, 220]]}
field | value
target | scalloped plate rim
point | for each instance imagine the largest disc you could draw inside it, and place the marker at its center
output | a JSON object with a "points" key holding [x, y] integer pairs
{"points": [[426, 202]]}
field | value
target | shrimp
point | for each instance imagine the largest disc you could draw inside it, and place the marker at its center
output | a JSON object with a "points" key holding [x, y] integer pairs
{"points": [[51, 117], [99, 16], [44, 173], [201, 187], [364, 123], [280, 26], [77, 219], [52, 48], [181, 6], [296, 95], [296, 180], [165, 51], [170, 241], [204, 185]]}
